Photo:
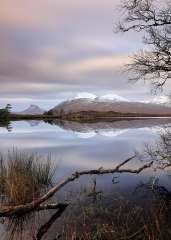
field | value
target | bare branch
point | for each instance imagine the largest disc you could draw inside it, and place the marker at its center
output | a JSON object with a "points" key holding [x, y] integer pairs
{"points": [[155, 64], [126, 161], [7, 211], [143, 14]]}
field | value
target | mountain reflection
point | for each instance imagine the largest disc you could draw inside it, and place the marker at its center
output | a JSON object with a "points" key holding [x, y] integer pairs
{"points": [[34, 123], [111, 128]]}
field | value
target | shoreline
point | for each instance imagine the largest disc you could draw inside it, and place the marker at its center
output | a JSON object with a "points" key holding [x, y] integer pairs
{"points": [[86, 117]]}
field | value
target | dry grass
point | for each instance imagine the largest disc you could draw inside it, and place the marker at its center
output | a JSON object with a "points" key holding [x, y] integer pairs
{"points": [[23, 177]]}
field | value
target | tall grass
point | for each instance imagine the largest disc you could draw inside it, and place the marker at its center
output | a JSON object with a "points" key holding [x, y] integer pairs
{"points": [[24, 176]]}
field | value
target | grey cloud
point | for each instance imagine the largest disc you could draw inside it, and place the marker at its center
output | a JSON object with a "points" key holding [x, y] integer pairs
{"points": [[59, 50]]}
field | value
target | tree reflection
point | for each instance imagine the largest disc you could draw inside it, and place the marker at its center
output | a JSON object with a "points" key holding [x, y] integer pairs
{"points": [[5, 123], [160, 152]]}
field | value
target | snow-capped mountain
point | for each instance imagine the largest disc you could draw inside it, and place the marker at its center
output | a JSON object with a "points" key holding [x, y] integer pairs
{"points": [[103, 106], [32, 110]]}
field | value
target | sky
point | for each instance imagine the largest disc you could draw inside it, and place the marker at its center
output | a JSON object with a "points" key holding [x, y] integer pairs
{"points": [[52, 50]]}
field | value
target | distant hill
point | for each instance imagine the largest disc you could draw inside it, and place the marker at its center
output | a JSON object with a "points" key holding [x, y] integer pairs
{"points": [[100, 105], [32, 110]]}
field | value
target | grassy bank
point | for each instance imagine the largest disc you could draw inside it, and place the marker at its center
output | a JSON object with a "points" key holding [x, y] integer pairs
{"points": [[84, 116], [18, 117]]}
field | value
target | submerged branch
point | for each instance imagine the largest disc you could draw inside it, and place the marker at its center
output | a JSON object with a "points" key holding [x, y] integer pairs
{"points": [[44, 229], [51, 206], [8, 211]]}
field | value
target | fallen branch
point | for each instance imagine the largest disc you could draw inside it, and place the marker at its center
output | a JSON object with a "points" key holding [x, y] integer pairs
{"points": [[26, 208]]}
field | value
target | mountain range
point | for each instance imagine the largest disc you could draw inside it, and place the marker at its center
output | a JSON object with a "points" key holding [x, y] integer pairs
{"points": [[90, 104]]}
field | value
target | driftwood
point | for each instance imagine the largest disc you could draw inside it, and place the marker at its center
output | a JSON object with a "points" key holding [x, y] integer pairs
{"points": [[8, 211]]}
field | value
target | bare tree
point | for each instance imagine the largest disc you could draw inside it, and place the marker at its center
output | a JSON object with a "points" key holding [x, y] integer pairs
{"points": [[154, 20]]}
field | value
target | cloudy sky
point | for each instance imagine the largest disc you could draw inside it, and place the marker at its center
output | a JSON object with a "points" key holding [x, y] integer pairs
{"points": [[51, 50]]}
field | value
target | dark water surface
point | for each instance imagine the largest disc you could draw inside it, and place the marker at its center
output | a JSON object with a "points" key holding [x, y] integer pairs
{"points": [[75, 146]]}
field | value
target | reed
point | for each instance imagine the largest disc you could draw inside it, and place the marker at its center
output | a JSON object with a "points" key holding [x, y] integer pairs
{"points": [[24, 176]]}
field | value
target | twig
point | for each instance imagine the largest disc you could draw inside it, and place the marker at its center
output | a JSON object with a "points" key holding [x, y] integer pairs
{"points": [[126, 161]]}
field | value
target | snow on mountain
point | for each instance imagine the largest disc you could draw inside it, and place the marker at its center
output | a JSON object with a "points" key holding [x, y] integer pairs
{"points": [[33, 109], [163, 100], [112, 132], [34, 123], [113, 97], [86, 95], [104, 133], [85, 135], [106, 97]]}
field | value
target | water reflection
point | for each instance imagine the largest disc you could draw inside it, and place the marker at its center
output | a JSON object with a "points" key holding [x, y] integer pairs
{"points": [[34, 123], [5, 124], [111, 128], [111, 216], [160, 152], [103, 207], [23, 180], [155, 190]]}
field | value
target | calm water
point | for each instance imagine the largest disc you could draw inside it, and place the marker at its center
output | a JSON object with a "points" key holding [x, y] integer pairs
{"points": [[75, 146]]}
